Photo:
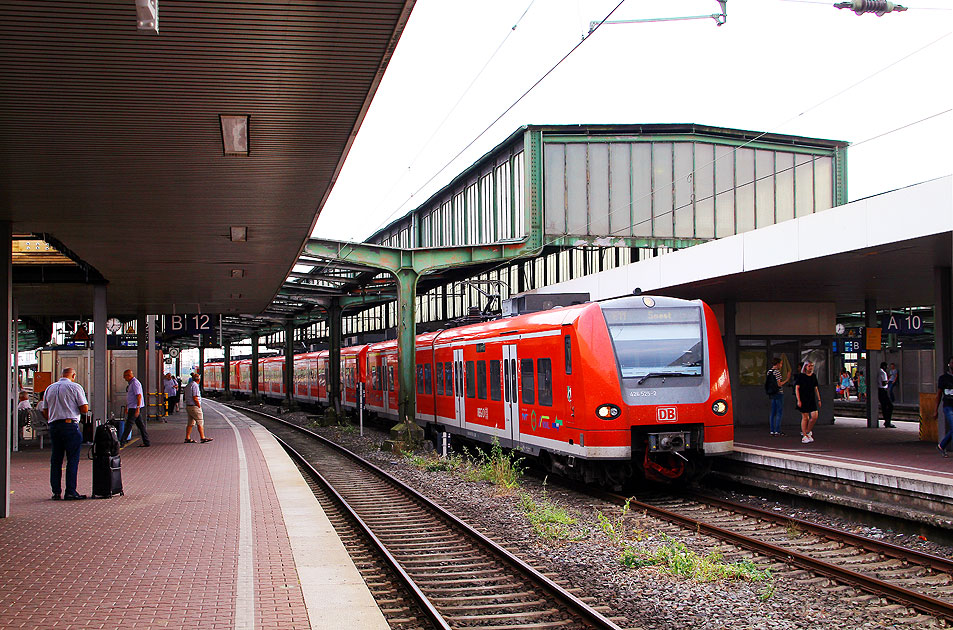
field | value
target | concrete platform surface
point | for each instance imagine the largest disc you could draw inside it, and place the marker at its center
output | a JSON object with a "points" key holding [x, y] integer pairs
{"points": [[850, 444], [218, 535], [884, 470]]}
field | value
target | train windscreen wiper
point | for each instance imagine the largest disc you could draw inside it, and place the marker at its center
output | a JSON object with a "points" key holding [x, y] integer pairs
{"points": [[662, 375]]}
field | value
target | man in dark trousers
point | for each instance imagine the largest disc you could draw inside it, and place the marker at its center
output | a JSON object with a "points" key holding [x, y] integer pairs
{"points": [[883, 383], [134, 405], [63, 403], [944, 407]]}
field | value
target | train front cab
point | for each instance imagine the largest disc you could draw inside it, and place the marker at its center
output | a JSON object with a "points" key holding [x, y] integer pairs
{"points": [[673, 380]]}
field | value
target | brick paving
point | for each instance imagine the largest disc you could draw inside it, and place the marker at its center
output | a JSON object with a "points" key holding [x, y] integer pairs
{"points": [[165, 555]]}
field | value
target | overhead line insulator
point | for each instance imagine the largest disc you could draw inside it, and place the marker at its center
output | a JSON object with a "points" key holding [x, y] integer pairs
{"points": [[877, 7]]}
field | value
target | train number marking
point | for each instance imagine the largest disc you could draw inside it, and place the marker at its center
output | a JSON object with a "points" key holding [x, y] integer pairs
{"points": [[666, 414]]}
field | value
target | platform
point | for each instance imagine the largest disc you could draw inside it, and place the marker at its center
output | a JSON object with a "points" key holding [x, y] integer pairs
{"points": [[225, 534], [888, 471]]}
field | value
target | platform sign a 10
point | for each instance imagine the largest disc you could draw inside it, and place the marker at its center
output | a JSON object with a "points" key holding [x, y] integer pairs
{"points": [[902, 324], [199, 324]]}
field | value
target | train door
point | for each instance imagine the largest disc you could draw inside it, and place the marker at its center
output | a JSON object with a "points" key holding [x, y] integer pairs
{"points": [[385, 384], [459, 398], [511, 403]]}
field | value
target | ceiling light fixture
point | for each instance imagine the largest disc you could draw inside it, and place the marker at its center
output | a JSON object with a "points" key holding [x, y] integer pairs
{"points": [[234, 134], [147, 15], [239, 233], [238, 273]]}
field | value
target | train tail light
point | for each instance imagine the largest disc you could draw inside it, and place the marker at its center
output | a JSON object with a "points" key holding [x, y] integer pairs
{"points": [[720, 407], [608, 412]]}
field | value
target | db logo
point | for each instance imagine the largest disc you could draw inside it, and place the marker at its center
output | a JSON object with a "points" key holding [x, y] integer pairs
{"points": [[666, 414]]}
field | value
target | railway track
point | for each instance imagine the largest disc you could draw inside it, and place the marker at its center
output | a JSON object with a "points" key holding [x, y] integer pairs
{"points": [[457, 576], [907, 577]]}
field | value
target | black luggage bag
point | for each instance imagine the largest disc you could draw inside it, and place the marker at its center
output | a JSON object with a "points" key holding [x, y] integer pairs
{"points": [[107, 469]]}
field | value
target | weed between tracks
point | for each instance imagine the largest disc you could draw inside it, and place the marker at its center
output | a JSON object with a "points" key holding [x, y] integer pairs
{"points": [[500, 468], [676, 558]]}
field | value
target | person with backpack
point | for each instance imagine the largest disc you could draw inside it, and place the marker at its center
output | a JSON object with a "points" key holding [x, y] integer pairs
{"points": [[772, 387]]}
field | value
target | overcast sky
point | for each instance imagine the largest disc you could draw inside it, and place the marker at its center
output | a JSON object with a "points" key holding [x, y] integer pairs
{"points": [[776, 65]]}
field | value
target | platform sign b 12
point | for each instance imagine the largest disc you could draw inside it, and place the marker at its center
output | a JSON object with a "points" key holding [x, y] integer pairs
{"points": [[902, 324], [200, 324]]}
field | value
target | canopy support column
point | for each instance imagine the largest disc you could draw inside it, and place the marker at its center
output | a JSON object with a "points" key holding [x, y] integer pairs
{"points": [[254, 367], [335, 321]]}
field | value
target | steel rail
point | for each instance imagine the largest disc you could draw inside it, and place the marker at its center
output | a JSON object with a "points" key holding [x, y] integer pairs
{"points": [[585, 612], [867, 583], [934, 562], [422, 600]]}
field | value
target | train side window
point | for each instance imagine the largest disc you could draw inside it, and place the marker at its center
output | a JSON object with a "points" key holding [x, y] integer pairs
{"points": [[514, 391], [420, 379], [448, 377], [428, 383], [567, 341], [494, 380], [440, 378], [393, 380], [471, 380], [528, 388], [481, 380], [544, 375]]}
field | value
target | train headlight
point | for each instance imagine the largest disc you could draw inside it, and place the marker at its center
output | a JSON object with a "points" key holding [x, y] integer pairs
{"points": [[608, 412], [649, 302], [720, 407]]}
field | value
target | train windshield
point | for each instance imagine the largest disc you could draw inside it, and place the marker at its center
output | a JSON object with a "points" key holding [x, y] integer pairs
{"points": [[656, 342]]}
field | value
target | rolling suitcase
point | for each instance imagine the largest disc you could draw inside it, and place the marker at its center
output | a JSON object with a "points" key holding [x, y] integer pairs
{"points": [[107, 468]]}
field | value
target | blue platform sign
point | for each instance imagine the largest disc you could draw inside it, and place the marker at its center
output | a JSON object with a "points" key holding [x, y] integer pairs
{"points": [[902, 324]]}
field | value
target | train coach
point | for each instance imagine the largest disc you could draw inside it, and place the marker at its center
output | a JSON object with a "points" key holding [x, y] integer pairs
{"points": [[602, 392]]}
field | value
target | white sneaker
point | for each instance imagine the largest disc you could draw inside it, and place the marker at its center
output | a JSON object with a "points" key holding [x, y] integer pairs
{"points": [[806, 440]]}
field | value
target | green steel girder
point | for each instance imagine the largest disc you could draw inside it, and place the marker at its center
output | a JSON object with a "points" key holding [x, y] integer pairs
{"points": [[623, 241], [407, 266]]}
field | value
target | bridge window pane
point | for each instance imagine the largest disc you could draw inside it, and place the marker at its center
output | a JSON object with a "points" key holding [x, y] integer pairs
{"points": [[764, 188], [662, 201], [784, 186], [704, 191], [803, 185], [684, 210], [744, 196], [823, 184]]}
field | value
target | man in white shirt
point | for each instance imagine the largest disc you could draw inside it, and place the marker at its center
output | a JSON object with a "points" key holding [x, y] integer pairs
{"points": [[171, 393], [63, 403], [886, 406], [134, 405]]}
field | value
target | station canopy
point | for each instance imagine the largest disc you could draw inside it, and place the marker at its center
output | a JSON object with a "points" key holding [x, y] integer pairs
{"points": [[185, 168]]}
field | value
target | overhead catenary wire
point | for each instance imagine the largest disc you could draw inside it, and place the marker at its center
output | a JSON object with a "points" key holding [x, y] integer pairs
{"points": [[552, 69], [463, 95]]}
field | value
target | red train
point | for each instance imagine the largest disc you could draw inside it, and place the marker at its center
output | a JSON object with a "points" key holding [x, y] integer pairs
{"points": [[604, 391]]}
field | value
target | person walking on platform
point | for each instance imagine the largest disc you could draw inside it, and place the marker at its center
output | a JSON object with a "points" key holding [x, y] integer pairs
{"points": [[773, 385], [171, 393], [63, 403], [134, 406], [893, 377], [886, 407], [861, 386], [944, 406], [808, 400], [193, 407]]}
